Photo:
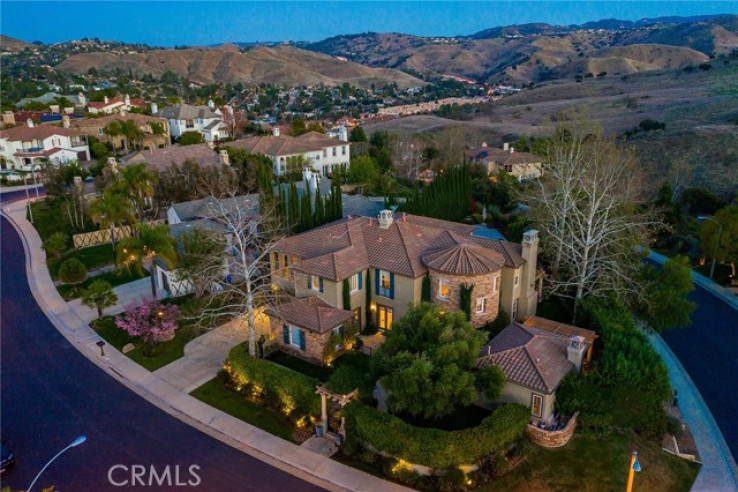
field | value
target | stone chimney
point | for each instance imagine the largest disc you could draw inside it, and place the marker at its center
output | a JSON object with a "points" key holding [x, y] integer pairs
{"points": [[8, 118], [575, 351], [113, 164], [29, 123], [127, 100], [484, 144], [154, 108], [385, 219], [224, 158], [106, 100], [65, 121], [82, 99], [211, 104], [275, 131], [314, 180], [123, 111], [506, 146], [54, 108], [343, 134], [528, 292], [512, 149]]}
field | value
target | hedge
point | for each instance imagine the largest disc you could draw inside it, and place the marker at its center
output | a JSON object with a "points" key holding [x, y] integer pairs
{"points": [[435, 448], [290, 391]]}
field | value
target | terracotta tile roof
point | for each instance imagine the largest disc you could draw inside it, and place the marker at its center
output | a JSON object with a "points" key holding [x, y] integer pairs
{"points": [[177, 154], [38, 153], [311, 313], [286, 145], [529, 357], [340, 249], [25, 133], [464, 259], [503, 156], [562, 329], [103, 104], [140, 119]]}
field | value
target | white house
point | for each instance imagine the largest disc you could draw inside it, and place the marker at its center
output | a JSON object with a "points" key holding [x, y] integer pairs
{"points": [[324, 153], [115, 105], [201, 119], [25, 147]]}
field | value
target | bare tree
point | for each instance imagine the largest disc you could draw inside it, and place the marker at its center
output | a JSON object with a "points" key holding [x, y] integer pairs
{"points": [[588, 207], [241, 284]]}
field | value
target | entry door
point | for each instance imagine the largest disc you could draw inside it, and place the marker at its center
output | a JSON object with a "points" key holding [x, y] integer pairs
{"points": [[384, 317]]}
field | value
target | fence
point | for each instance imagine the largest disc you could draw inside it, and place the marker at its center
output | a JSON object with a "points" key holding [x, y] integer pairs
{"points": [[95, 238]]}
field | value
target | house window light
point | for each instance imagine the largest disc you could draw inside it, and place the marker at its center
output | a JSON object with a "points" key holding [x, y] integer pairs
{"points": [[481, 304], [444, 289]]}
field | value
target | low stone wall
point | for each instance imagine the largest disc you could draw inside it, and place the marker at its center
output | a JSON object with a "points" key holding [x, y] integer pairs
{"points": [[553, 439]]}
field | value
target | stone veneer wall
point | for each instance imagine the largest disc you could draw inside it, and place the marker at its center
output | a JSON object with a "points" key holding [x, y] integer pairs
{"points": [[314, 343], [553, 439], [483, 287]]}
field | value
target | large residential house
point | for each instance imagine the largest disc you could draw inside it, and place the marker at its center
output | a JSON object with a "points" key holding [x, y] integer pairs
{"points": [[26, 147], [325, 154], [522, 165], [536, 356], [116, 104], [392, 257], [202, 119], [79, 100], [151, 139], [163, 157]]}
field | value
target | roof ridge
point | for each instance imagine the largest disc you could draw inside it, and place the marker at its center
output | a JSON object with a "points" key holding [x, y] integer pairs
{"points": [[535, 365]]}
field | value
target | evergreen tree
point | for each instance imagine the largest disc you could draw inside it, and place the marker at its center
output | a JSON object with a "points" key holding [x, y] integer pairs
{"points": [[319, 210]]}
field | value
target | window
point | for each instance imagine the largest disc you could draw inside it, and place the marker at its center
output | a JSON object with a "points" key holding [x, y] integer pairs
{"points": [[357, 317], [325, 152], [515, 309], [343, 150], [517, 280], [496, 285], [294, 336], [384, 317], [536, 405], [338, 331], [355, 282], [285, 270], [315, 283], [481, 304], [101, 132], [385, 284], [444, 288], [275, 258], [190, 124], [334, 151]]}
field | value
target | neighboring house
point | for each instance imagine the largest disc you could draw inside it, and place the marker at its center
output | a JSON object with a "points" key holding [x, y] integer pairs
{"points": [[176, 154], [204, 214], [522, 165], [303, 326], [115, 105], [48, 98], [324, 153], [535, 361], [10, 118], [394, 257], [95, 127], [202, 119], [26, 147]]}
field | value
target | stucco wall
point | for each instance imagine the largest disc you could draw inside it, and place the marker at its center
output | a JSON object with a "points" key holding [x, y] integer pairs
{"points": [[513, 393]]}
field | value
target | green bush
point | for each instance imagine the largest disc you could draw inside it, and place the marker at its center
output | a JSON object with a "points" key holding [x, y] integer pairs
{"points": [[72, 271], [347, 378], [434, 447], [281, 388], [56, 245], [191, 138]]}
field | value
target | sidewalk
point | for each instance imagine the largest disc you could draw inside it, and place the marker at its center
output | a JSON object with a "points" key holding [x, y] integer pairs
{"points": [[127, 293], [266, 447]]}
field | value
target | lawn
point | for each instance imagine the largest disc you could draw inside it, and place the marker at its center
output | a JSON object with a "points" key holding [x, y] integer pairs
{"points": [[121, 277], [215, 394], [590, 463], [171, 350], [299, 365], [92, 257], [49, 217]]}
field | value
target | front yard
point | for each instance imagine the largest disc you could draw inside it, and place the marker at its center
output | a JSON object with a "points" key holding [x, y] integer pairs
{"points": [[114, 278], [170, 351]]}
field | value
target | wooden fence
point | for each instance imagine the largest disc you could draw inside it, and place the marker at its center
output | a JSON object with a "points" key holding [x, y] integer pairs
{"points": [[95, 238]]}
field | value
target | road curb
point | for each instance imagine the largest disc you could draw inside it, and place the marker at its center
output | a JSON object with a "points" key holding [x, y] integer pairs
{"points": [[322, 473]]}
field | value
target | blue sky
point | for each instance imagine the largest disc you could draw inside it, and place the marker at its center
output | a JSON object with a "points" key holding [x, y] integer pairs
{"points": [[168, 23]]}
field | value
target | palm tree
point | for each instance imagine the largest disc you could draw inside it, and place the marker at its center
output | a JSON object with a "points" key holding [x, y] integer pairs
{"points": [[114, 129], [132, 132], [150, 242], [99, 295], [112, 210], [137, 182]]}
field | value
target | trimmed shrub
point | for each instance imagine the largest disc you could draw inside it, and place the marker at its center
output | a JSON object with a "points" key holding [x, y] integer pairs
{"points": [[434, 447], [56, 245], [72, 271], [284, 389]]}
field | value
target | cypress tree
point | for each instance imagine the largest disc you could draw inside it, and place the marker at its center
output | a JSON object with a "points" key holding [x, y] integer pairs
{"points": [[293, 207], [319, 210], [346, 295]]}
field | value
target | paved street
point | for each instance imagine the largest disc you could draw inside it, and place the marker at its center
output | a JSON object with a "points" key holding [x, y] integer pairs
{"points": [[707, 350], [51, 394]]}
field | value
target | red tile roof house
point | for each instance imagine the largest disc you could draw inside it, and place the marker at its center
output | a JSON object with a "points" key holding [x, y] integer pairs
{"points": [[536, 356], [95, 127], [115, 105], [26, 147], [391, 256], [522, 165]]}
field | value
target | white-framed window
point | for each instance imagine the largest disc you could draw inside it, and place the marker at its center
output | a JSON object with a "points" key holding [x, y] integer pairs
{"points": [[325, 152], [354, 282], [334, 151], [480, 305], [338, 331], [536, 405], [343, 150], [517, 280], [314, 282], [444, 288], [385, 284], [496, 285], [295, 336]]}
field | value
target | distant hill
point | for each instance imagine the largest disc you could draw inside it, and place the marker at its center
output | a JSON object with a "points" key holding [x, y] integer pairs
{"points": [[282, 65], [11, 44], [540, 52]]}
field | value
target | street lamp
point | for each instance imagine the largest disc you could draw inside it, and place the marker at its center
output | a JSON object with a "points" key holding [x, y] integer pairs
{"points": [[74, 443], [717, 241], [635, 466]]}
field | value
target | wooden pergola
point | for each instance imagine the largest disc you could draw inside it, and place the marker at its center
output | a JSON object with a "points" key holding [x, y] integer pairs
{"points": [[341, 399]]}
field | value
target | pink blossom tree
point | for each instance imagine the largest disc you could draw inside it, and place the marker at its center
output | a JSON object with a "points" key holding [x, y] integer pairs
{"points": [[149, 319]]}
